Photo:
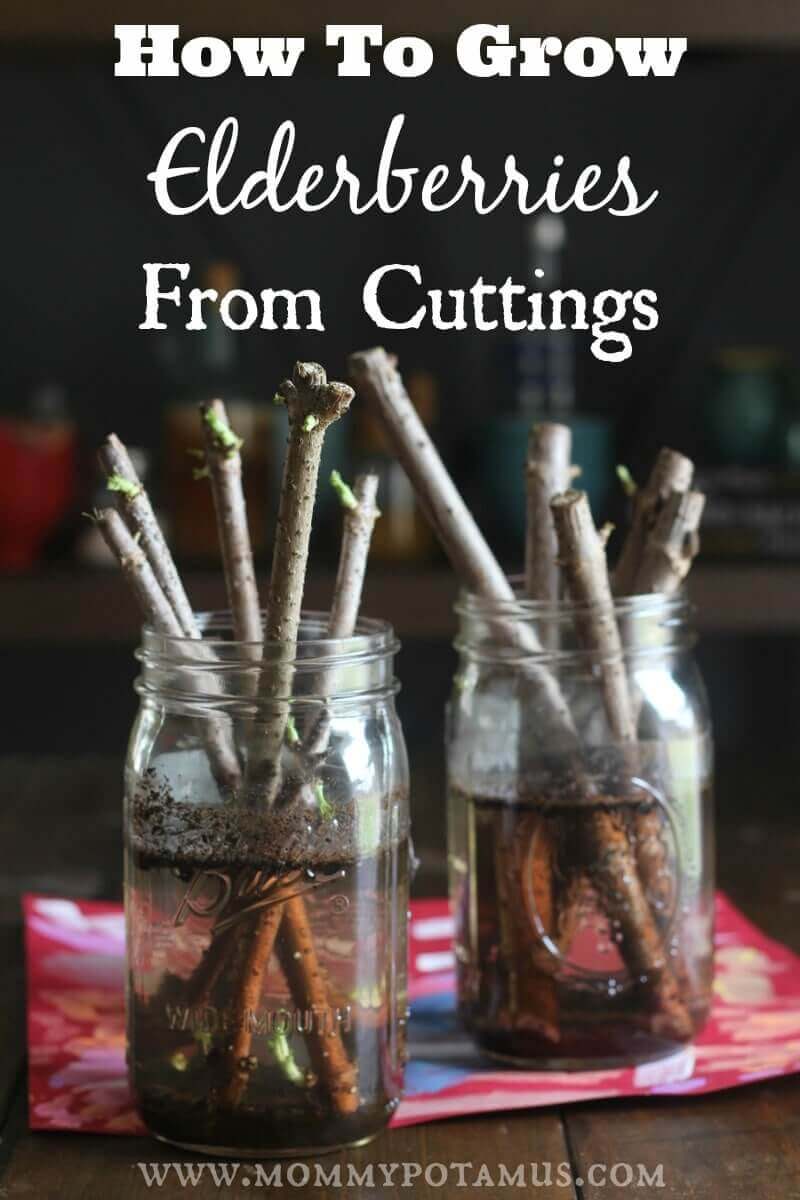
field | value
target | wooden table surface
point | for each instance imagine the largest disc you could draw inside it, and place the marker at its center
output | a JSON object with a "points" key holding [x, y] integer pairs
{"points": [[60, 830]]}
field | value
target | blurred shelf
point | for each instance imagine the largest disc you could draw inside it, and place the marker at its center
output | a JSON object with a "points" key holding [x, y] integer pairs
{"points": [[747, 598], [63, 606], [93, 606]]}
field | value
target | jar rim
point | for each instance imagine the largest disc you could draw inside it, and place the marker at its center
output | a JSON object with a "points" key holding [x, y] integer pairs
{"points": [[373, 638], [676, 605], [650, 625]]}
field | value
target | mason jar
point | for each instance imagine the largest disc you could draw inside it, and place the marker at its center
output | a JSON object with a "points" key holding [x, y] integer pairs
{"points": [[581, 871], [266, 915]]}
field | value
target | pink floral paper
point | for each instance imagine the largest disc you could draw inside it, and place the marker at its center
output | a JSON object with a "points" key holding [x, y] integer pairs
{"points": [[76, 1032]]}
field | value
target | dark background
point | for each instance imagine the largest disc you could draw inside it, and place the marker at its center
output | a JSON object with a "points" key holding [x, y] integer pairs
{"points": [[719, 247]]}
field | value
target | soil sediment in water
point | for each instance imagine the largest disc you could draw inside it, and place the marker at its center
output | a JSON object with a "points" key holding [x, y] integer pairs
{"points": [[541, 966], [200, 880], [293, 831]]}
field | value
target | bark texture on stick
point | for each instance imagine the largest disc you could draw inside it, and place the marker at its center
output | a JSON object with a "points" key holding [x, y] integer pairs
{"points": [[313, 404], [611, 866], [360, 514], [224, 464], [156, 610], [667, 557], [672, 544], [583, 560], [359, 521], [602, 838], [134, 504], [672, 472], [375, 376], [547, 473], [260, 944], [310, 990], [136, 568], [304, 973], [527, 866]]}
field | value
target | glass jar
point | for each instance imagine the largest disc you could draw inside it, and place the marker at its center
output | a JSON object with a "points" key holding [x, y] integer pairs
{"points": [[581, 871], [266, 923]]}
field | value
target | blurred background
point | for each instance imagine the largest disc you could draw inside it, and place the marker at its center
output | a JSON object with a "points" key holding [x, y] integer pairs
{"points": [[717, 379]]}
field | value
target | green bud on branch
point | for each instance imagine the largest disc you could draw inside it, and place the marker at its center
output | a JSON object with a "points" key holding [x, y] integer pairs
{"points": [[282, 1053], [224, 436], [347, 497], [323, 804], [118, 483], [626, 479]]}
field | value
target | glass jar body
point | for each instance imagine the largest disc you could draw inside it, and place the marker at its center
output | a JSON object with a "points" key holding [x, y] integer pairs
{"points": [[581, 870], [267, 918]]}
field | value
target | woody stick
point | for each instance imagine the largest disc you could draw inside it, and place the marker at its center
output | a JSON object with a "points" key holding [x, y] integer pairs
{"points": [[601, 832], [672, 545], [224, 465], [222, 450], [360, 514], [547, 472], [299, 957], [134, 505], [302, 968], [657, 556], [259, 950], [666, 560], [137, 571], [672, 472], [375, 375], [583, 559], [313, 404]]}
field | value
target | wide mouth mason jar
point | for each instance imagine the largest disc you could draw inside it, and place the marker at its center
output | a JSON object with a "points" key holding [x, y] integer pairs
{"points": [[266, 909], [581, 870]]}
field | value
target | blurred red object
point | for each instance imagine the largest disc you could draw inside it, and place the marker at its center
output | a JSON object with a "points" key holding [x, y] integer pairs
{"points": [[38, 461]]}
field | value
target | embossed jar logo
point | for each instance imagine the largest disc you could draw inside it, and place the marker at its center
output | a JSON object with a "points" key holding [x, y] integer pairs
{"points": [[232, 896]]}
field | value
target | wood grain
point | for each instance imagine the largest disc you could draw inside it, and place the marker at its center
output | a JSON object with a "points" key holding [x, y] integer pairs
{"points": [[738, 1145], [71, 1166], [12, 1016]]}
